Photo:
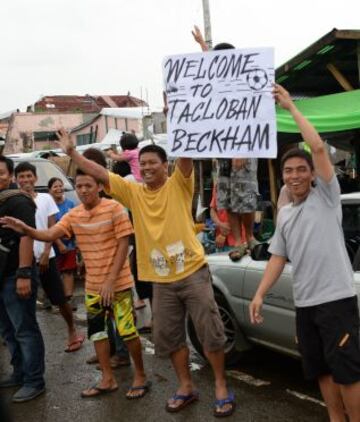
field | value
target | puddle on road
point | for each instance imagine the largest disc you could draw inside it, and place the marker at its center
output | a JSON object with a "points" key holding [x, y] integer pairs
{"points": [[248, 379], [149, 349], [305, 397], [195, 366], [148, 346]]}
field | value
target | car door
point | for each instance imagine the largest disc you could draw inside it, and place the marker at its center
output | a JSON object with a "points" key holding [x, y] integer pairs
{"points": [[278, 327]]}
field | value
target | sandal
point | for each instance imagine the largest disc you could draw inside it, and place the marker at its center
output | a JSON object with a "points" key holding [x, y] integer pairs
{"points": [[143, 388], [76, 344], [238, 252], [97, 391], [92, 360], [219, 404], [186, 400]]}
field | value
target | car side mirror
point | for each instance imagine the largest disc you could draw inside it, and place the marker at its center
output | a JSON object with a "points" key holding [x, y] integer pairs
{"points": [[260, 252]]}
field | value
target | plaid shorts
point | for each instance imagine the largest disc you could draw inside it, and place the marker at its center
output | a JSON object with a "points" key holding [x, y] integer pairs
{"points": [[122, 309]]}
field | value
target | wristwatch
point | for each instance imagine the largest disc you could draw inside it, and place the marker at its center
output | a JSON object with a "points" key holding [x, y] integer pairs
{"points": [[24, 272]]}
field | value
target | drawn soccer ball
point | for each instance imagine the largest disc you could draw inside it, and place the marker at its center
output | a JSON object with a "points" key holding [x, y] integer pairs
{"points": [[257, 79]]}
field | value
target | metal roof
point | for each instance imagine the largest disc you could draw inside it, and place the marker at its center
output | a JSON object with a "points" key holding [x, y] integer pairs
{"points": [[327, 66], [84, 103]]}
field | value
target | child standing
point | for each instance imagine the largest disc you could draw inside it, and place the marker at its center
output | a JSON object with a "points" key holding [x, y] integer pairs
{"points": [[130, 153]]}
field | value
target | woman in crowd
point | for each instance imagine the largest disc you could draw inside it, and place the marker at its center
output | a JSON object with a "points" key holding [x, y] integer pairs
{"points": [[65, 248]]}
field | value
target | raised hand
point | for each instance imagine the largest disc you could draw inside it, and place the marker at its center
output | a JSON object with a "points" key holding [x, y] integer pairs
{"points": [[282, 97], [13, 223], [198, 37], [64, 141]]}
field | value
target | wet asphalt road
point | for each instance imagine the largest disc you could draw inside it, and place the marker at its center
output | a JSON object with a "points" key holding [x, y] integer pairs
{"points": [[268, 387]]}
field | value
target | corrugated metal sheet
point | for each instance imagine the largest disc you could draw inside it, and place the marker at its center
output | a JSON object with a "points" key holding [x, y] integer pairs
{"points": [[85, 104]]}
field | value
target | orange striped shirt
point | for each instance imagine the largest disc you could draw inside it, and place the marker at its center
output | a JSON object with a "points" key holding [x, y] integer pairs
{"points": [[97, 233]]}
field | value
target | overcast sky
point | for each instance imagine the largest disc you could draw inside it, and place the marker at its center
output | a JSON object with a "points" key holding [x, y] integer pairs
{"points": [[53, 47]]}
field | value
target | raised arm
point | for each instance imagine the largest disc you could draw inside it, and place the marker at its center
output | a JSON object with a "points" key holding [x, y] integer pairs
{"points": [[50, 235], [185, 165], [322, 164], [87, 166], [198, 37], [116, 157]]}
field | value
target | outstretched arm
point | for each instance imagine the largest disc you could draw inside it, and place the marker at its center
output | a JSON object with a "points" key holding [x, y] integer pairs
{"points": [[87, 166], [272, 272], [323, 167], [198, 37], [50, 235], [116, 157]]}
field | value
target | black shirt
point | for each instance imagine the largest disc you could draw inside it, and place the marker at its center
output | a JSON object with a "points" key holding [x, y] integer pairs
{"points": [[23, 208]]}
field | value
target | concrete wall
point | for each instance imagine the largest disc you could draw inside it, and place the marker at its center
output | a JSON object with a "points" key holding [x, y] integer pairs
{"points": [[23, 125], [102, 125]]}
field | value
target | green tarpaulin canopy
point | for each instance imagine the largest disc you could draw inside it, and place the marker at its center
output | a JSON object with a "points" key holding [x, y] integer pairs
{"points": [[328, 113]]}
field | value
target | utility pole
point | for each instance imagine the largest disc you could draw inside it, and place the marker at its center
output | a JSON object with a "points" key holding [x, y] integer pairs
{"points": [[207, 23]]}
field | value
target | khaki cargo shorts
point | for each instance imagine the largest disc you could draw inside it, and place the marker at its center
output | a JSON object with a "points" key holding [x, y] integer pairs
{"points": [[172, 301]]}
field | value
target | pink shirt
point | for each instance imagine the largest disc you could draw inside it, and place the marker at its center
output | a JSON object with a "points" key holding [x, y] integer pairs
{"points": [[132, 157]]}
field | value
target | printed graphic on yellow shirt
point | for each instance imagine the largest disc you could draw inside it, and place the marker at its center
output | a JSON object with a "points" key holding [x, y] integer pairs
{"points": [[176, 253]]}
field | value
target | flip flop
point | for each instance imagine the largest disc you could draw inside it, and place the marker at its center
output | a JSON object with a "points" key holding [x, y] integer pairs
{"points": [[144, 388], [98, 391], [221, 403], [186, 400], [75, 345], [145, 330], [92, 360]]}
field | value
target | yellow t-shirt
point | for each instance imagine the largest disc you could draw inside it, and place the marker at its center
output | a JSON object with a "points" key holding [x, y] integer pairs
{"points": [[166, 245]]}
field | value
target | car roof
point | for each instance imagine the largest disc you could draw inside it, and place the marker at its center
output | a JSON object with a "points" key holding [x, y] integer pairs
{"points": [[28, 159], [352, 197]]}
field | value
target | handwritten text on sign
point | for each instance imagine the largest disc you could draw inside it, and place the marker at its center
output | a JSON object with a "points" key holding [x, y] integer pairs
{"points": [[220, 104]]}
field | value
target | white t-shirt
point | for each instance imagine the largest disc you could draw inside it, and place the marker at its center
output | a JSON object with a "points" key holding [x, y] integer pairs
{"points": [[130, 178], [45, 207]]}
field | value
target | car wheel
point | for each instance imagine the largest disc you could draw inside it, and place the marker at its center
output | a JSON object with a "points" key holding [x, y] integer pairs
{"points": [[232, 356]]}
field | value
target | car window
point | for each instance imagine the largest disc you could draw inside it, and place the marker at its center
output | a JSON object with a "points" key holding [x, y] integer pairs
{"points": [[351, 220], [46, 170]]}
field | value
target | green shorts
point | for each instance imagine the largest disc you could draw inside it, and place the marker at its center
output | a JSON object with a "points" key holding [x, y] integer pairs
{"points": [[121, 308]]}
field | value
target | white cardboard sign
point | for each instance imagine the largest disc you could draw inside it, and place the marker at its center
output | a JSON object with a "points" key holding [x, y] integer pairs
{"points": [[220, 104]]}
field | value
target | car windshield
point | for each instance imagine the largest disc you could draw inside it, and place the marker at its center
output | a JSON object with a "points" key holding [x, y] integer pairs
{"points": [[46, 170]]}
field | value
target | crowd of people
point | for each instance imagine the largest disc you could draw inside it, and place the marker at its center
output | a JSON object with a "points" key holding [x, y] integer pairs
{"points": [[170, 257]]}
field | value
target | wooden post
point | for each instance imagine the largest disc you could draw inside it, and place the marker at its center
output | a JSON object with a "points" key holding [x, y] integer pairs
{"points": [[273, 187], [339, 77], [357, 148], [201, 182]]}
